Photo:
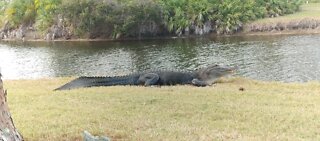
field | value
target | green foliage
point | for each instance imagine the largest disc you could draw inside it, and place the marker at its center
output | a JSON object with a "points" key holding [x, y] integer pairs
{"points": [[115, 18], [231, 14], [181, 14], [46, 10], [29, 11], [280, 7], [131, 18], [3, 7], [84, 15], [175, 14], [20, 12], [227, 16]]}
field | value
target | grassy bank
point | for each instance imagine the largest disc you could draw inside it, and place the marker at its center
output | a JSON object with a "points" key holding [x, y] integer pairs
{"points": [[263, 111], [307, 20]]}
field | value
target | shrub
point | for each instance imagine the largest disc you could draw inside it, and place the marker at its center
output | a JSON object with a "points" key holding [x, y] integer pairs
{"points": [[20, 12]]}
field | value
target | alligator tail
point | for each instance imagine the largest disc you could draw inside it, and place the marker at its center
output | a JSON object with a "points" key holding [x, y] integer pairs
{"points": [[83, 82]]}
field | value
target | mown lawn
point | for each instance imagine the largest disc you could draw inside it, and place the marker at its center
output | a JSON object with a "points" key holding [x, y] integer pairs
{"points": [[263, 111]]}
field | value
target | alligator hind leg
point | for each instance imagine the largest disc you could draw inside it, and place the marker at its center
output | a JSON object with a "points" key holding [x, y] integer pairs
{"points": [[149, 79]]}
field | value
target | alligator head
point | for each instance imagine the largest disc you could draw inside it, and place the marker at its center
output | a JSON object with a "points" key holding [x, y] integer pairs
{"points": [[213, 72]]}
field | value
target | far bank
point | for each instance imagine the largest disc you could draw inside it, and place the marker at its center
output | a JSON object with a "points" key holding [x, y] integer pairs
{"points": [[132, 19]]}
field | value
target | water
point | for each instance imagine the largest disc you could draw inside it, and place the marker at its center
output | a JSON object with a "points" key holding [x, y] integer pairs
{"points": [[294, 58]]}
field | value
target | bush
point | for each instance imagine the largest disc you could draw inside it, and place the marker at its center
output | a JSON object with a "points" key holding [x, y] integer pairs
{"points": [[115, 18], [20, 12], [46, 12], [3, 7], [276, 8], [231, 14]]}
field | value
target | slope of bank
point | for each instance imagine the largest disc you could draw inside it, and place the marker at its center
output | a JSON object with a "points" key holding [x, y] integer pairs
{"points": [[307, 20], [236, 109]]}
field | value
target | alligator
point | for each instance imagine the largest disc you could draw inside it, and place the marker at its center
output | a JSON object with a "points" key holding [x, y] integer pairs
{"points": [[200, 77]]}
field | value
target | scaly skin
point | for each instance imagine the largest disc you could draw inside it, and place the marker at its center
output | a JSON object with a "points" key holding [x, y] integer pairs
{"points": [[201, 77]]}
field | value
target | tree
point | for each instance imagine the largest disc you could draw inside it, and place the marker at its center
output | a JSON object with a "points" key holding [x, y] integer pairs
{"points": [[8, 130]]}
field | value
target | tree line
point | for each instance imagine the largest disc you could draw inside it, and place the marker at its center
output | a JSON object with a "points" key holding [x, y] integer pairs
{"points": [[140, 18]]}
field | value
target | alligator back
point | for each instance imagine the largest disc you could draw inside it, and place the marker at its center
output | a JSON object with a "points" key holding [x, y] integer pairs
{"points": [[175, 77]]}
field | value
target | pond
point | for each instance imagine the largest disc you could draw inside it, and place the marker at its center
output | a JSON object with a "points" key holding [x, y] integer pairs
{"points": [[294, 58]]}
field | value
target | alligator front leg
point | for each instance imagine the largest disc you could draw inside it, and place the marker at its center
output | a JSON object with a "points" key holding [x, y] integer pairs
{"points": [[149, 79], [199, 83]]}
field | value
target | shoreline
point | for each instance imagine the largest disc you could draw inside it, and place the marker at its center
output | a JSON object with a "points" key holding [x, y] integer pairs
{"points": [[285, 32], [243, 33]]}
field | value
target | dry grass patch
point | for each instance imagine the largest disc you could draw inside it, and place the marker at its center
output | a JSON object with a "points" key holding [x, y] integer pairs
{"points": [[263, 111]]}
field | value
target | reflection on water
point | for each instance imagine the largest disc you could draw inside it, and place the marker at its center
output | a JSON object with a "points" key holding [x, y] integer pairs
{"points": [[280, 58]]}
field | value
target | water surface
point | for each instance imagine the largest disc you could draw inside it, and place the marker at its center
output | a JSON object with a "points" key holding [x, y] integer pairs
{"points": [[294, 58]]}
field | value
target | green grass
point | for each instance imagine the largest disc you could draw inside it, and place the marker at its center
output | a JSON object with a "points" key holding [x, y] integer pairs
{"points": [[311, 11], [263, 111]]}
